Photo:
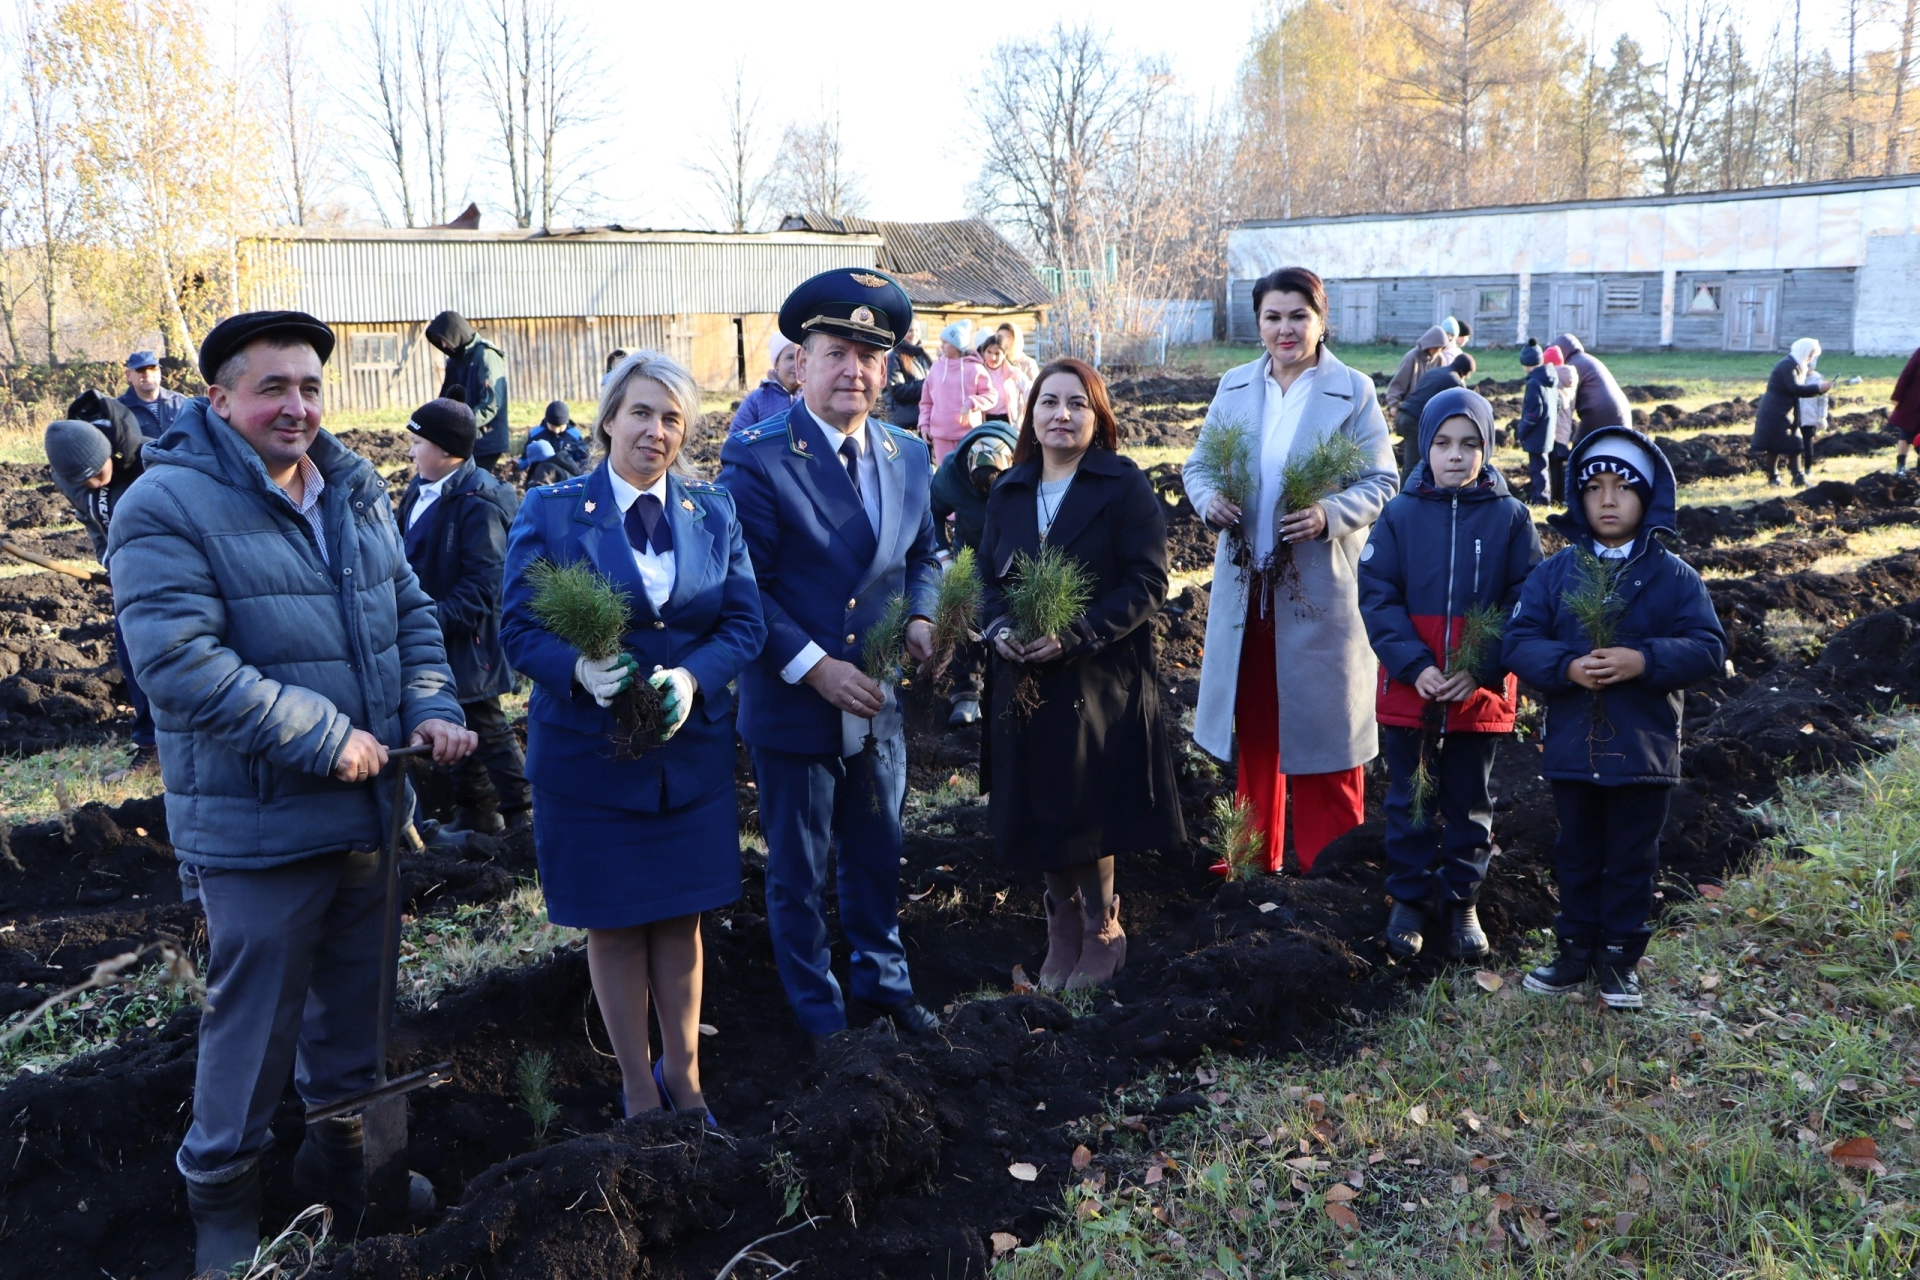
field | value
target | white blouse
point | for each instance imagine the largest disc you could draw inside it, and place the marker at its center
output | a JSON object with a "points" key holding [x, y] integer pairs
{"points": [[656, 567]]}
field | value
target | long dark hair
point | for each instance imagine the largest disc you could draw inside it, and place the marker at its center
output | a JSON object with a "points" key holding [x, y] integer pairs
{"points": [[1106, 430], [1298, 280]]}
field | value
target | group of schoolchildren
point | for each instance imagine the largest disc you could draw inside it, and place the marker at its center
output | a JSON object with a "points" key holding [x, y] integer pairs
{"points": [[1456, 552]]}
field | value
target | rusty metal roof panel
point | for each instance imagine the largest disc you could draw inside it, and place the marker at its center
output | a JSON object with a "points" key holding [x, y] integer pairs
{"points": [[965, 263]]}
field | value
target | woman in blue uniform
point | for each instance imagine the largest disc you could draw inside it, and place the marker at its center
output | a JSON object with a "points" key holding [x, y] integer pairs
{"points": [[633, 850]]}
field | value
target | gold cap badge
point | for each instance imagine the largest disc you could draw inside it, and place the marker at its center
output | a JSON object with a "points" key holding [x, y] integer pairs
{"points": [[870, 281], [863, 315]]}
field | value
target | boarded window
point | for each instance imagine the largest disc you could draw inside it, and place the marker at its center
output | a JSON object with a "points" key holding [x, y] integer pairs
{"points": [[1496, 302], [1623, 297], [375, 351], [1705, 300]]}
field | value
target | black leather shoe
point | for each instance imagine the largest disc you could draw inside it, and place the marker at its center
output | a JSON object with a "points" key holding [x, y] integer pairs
{"points": [[226, 1221], [1467, 940], [1403, 933], [1619, 976], [1568, 971], [914, 1019], [331, 1169]]}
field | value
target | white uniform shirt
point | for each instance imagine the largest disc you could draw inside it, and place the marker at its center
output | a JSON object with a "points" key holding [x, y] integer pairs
{"points": [[656, 568], [428, 495]]}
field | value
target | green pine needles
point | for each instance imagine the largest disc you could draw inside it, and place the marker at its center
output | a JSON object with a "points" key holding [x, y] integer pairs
{"points": [[956, 610], [579, 605], [1225, 458], [1592, 599], [883, 647], [1048, 594], [1481, 629], [1242, 844], [1330, 466]]}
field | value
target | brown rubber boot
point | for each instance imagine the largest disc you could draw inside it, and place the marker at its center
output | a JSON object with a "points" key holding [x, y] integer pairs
{"points": [[1063, 941], [1103, 952]]}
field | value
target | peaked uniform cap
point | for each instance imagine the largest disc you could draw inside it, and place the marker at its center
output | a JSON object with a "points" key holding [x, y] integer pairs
{"points": [[851, 302]]}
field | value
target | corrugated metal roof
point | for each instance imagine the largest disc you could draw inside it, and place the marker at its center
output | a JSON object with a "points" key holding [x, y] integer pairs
{"points": [[377, 276], [965, 263]]}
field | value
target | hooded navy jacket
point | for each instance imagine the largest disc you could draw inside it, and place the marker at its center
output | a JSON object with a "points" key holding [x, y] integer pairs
{"points": [[1434, 553], [1534, 421], [1666, 614]]}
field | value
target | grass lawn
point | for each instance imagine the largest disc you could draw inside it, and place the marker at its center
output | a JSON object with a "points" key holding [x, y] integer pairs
{"points": [[1755, 1120]]}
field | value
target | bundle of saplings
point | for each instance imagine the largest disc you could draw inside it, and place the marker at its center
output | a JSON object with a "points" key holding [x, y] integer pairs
{"points": [[577, 604]]}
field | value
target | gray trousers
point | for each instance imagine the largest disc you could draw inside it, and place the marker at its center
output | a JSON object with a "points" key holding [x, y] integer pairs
{"points": [[293, 981]]}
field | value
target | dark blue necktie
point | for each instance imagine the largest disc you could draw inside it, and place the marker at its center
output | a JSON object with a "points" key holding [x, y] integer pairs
{"points": [[648, 528], [851, 452]]}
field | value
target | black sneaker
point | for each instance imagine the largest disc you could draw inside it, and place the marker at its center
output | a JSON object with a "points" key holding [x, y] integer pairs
{"points": [[1402, 934], [1568, 971], [1467, 940], [1619, 977]]}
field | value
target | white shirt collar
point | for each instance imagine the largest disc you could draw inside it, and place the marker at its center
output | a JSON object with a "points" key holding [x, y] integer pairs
{"points": [[1620, 552], [1305, 374], [624, 494], [434, 488], [836, 437]]}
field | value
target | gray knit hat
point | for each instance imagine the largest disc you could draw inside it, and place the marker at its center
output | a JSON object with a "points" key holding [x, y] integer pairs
{"points": [[76, 450]]}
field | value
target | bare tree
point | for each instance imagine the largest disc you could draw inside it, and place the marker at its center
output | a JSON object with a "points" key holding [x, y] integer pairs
{"points": [[811, 173], [431, 31], [734, 172], [1901, 71], [294, 119], [536, 74], [1671, 98], [381, 104], [47, 198]]}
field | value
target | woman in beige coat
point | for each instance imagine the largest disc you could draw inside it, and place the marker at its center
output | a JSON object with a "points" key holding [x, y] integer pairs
{"points": [[1288, 676]]}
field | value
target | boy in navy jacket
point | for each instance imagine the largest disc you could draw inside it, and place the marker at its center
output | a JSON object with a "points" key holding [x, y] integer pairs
{"points": [[1612, 728], [1455, 539]]}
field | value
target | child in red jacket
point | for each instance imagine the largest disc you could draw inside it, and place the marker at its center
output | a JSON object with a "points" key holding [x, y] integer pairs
{"points": [[1454, 541]]}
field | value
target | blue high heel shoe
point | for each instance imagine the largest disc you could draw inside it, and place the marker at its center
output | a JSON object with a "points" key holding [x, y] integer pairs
{"points": [[666, 1101]]}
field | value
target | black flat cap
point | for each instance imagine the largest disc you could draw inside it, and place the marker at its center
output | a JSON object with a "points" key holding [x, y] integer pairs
{"points": [[856, 303], [235, 332]]}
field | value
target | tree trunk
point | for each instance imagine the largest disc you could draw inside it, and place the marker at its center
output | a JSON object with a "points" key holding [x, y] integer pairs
{"points": [[1900, 86]]}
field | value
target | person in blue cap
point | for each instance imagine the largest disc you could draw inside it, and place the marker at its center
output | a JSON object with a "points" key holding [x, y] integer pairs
{"points": [[154, 407], [834, 504]]}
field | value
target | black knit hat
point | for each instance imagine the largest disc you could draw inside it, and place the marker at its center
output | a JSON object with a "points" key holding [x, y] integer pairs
{"points": [[235, 332], [446, 423]]}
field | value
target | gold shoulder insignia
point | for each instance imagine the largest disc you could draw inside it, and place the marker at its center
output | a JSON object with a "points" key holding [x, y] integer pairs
{"points": [[588, 506], [870, 281], [687, 503]]}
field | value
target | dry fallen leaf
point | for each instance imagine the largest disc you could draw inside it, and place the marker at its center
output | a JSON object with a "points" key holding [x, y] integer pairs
{"points": [[1712, 891], [1418, 1114], [1903, 1124], [1023, 1171], [1022, 986], [1082, 1157], [1325, 1130], [1858, 1153], [1356, 1179], [1708, 981], [1316, 1105], [1343, 1217], [1496, 1234], [1340, 1193], [1488, 980], [1004, 1243], [1658, 1144], [1265, 907], [1206, 1075], [1459, 1184], [1502, 1202], [1638, 1184], [1219, 1097]]}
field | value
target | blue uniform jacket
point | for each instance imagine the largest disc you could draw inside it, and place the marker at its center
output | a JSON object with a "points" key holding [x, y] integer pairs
{"points": [[1667, 615], [710, 625], [824, 577]]}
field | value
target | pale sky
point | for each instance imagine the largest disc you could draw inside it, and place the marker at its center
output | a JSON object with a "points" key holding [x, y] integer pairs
{"points": [[901, 74]]}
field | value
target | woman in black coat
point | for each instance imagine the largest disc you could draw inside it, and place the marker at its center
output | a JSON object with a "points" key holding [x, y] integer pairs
{"points": [[1776, 429], [1088, 773]]}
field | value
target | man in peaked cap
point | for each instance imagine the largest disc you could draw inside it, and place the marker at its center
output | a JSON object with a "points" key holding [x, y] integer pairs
{"points": [[834, 504], [153, 406], [285, 646]]}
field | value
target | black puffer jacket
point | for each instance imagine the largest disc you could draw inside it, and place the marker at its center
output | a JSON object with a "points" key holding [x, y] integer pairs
{"points": [[457, 550]]}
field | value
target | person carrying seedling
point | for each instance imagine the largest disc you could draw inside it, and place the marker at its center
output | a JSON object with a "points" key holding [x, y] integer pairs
{"points": [[630, 602], [834, 504], [453, 520], [1441, 570], [1611, 630], [959, 498], [286, 647]]}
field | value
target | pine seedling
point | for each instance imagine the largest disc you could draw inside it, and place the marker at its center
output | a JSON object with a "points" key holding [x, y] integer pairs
{"points": [[956, 610], [1047, 595], [1240, 841], [1592, 598], [1330, 466], [1225, 458], [1423, 787], [533, 1075], [577, 604], [883, 647], [1480, 631]]}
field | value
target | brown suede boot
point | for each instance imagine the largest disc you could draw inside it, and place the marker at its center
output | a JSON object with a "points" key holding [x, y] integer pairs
{"points": [[1063, 941], [1103, 952]]}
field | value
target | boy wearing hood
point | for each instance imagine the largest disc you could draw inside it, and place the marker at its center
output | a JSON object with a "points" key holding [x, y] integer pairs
{"points": [[1612, 727], [1455, 540], [1434, 351], [1598, 400]]}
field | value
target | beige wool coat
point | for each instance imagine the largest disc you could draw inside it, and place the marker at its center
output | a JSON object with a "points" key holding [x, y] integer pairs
{"points": [[1325, 668]]}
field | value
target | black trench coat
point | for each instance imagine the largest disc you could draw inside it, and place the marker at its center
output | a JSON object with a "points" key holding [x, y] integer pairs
{"points": [[1776, 426], [1089, 772]]}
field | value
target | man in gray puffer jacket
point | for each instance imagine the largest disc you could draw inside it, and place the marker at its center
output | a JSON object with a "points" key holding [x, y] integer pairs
{"points": [[285, 646]]}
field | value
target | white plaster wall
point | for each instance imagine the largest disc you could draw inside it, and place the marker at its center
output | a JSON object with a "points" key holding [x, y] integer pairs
{"points": [[1886, 311]]}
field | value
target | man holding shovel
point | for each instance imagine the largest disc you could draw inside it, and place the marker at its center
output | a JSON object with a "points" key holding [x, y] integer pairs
{"points": [[285, 646]]}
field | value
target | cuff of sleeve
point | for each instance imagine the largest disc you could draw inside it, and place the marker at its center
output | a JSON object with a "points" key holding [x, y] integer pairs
{"points": [[804, 661]]}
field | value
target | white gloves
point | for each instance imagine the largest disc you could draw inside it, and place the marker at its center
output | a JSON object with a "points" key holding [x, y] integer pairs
{"points": [[677, 686], [605, 678]]}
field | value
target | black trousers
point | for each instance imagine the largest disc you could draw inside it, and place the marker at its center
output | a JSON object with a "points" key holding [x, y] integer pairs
{"points": [[1605, 862], [496, 773], [1445, 859]]}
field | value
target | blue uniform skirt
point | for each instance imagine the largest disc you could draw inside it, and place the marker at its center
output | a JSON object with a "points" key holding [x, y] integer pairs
{"points": [[604, 868]]}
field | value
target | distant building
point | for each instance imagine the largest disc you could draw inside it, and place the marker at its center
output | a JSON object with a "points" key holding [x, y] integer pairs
{"points": [[1725, 271], [951, 270], [556, 302]]}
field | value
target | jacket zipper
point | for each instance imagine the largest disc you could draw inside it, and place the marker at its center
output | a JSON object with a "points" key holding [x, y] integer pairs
{"points": [[1476, 568], [1446, 633]]}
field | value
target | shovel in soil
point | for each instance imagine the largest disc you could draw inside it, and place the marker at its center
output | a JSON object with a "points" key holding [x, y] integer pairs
{"points": [[395, 1195]]}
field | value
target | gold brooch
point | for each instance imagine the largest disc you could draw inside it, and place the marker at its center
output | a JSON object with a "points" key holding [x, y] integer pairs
{"points": [[687, 503], [589, 506], [863, 315], [870, 281]]}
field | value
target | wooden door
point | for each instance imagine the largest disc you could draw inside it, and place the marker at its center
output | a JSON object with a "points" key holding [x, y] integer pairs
{"points": [[1576, 310], [1753, 313], [1359, 313]]}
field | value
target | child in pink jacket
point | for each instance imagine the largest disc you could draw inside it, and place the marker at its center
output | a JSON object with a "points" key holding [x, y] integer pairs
{"points": [[958, 391]]}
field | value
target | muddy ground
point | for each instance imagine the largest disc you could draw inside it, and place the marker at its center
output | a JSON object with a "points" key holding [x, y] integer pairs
{"points": [[900, 1148]]}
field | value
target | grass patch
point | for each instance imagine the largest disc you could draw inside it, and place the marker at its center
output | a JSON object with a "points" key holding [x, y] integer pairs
{"points": [[37, 787], [1482, 1131], [1873, 544], [1751, 486], [144, 999], [439, 953]]}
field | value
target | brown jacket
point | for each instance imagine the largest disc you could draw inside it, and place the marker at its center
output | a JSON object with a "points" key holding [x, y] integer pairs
{"points": [[1430, 354]]}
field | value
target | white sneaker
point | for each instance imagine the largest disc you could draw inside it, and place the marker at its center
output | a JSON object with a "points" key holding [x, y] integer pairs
{"points": [[965, 711]]}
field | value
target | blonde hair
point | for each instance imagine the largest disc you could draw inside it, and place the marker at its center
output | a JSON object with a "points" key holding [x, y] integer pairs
{"points": [[654, 367]]}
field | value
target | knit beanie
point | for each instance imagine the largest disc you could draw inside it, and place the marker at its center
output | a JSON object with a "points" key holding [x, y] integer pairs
{"points": [[1530, 354], [1623, 458], [76, 450], [558, 414], [960, 334], [446, 423], [777, 346], [1552, 356]]}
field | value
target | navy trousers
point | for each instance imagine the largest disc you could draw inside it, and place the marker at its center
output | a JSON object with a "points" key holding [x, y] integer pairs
{"points": [[1605, 862], [812, 806], [1446, 859], [143, 734], [293, 981]]}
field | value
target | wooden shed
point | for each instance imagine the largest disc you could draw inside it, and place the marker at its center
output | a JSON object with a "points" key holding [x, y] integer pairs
{"points": [[951, 270], [1724, 270], [554, 301]]}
